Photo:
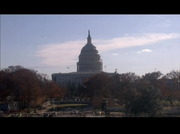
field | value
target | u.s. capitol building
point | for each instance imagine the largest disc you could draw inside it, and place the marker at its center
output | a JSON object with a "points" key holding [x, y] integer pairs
{"points": [[89, 64]]}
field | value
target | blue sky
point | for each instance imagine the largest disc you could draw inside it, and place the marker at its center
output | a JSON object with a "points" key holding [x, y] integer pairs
{"points": [[128, 43]]}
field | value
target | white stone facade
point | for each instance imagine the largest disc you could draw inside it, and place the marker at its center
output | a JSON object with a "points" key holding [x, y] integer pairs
{"points": [[75, 78]]}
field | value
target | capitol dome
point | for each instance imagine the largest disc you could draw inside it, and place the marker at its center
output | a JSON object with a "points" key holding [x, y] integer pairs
{"points": [[89, 59], [89, 48]]}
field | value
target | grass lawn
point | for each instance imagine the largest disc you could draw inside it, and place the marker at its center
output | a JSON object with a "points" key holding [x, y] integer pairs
{"points": [[70, 105], [64, 106]]}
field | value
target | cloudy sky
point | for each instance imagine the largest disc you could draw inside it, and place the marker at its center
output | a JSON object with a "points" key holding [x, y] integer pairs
{"points": [[128, 43]]}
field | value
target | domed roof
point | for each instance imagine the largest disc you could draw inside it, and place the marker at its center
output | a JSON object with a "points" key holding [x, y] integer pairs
{"points": [[89, 47], [89, 59]]}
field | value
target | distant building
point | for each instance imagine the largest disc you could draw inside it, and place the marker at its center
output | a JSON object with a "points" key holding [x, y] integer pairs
{"points": [[89, 59], [89, 64]]}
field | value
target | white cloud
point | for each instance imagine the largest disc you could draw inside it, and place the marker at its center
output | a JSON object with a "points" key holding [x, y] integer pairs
{"points": [[115, 54], [131, 41], [63, 54], [144, 51], [66, 54]]}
